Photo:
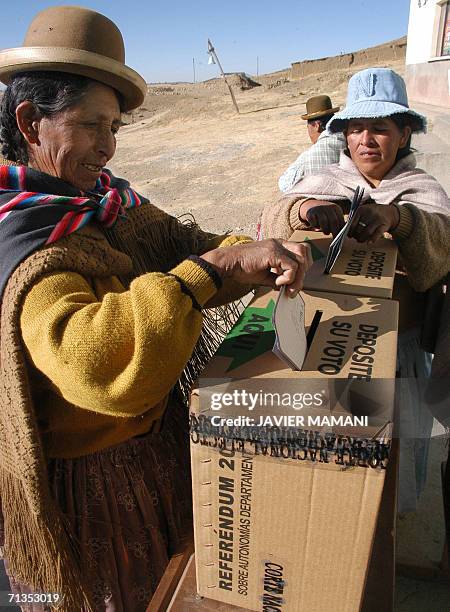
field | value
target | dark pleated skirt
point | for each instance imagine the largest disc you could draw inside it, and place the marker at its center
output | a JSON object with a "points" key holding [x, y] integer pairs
{"points": [[129, 507]]}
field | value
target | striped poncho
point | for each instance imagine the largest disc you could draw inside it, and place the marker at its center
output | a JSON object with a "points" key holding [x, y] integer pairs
{"points": [[30, 219]]}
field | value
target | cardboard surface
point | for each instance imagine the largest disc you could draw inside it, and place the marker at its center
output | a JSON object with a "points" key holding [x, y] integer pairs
{"points": [[379, 588], [380, 583], [247, 351], [186, 598], [352, 339], [303, 542], [361, 269], [291, 527], [378, 593]]}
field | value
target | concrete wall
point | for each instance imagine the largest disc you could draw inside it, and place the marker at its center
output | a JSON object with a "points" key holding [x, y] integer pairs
{"points": [[396, 50], [429, 82]]}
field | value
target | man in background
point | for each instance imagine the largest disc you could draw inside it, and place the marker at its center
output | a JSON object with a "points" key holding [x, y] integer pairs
{"points": [[326, 147]]}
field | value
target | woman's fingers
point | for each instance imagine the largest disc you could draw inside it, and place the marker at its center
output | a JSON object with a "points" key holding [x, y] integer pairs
{"points": [[293, 279], [364, 229], [279, 262], [294, 271], [371, 221], [337, 221], [378, 233], [354, 231], [324, 220], [300, 249], [267, 262], [308, 254], [329, 218], [362, 217], [332, 220], [341, 220], [312, 219]]}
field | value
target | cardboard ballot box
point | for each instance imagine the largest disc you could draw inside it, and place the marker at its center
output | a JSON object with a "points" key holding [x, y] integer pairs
{"points": [[361, 269], [285, 514], [378, 593]]}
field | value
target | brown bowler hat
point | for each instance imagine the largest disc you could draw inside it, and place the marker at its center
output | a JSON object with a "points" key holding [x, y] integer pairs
{"points": [[79, 41], [318, 107]]}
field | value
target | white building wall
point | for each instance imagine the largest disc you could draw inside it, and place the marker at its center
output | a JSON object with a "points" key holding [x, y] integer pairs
{"points": [[421, 31], [427, 73]]}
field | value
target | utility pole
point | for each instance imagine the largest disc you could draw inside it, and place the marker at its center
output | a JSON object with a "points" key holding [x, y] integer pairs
{"points": [[257, 66], [193, 67], [213, 54]]}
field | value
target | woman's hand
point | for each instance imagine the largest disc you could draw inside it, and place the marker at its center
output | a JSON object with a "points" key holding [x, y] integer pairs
{"points": [[271, 263], [372, 220], [326, 216]]}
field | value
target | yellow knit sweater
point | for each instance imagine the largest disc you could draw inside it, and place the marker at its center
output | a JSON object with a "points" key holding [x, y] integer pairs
{"points": [[104, 358]]}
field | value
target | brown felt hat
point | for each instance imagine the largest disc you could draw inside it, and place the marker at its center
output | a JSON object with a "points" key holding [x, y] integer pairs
{"points": [[79, 41], [318, 107]]}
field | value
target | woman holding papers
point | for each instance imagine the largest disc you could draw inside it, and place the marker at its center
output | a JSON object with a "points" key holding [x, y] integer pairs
{"points": [[377, 123], [400, 199]]}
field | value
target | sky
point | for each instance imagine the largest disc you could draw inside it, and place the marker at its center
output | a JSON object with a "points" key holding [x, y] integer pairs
{"points": [[162, 38]]}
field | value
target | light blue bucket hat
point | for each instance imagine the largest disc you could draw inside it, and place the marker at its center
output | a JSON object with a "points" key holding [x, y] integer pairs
{"points": [[376, 92]]}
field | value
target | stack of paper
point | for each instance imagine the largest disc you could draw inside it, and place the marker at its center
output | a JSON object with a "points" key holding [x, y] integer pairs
{"points": [[338, 242]]}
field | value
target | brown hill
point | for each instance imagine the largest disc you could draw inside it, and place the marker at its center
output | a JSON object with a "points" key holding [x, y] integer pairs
{"points": [[189, 151]]}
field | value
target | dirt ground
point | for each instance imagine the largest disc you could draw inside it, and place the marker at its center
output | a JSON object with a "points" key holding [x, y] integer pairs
{"points": [[189, 151]]}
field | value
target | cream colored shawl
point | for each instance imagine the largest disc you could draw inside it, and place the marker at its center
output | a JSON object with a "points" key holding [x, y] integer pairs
{"points": [[337, 183]]}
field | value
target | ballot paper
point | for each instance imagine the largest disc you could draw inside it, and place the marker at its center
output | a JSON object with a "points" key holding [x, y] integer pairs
{"points": [[288, 321], [338, 242]]}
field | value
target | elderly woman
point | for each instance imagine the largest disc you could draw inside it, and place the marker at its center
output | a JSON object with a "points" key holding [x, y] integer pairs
{"points": [[103, 327], [398, 198]]}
